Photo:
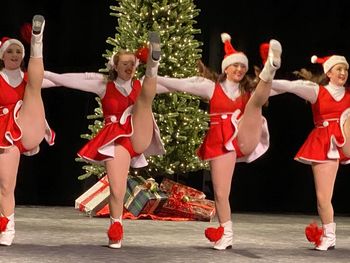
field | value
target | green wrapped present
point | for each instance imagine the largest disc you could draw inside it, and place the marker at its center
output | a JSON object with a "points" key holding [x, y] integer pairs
{"points": [[143, 196]]}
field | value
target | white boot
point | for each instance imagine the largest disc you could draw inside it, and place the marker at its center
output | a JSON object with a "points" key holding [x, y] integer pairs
{"points": [[36, 47], [116, 224], [154, 55], [273, 61], [226, 240], [328, 238], [7, 236]]}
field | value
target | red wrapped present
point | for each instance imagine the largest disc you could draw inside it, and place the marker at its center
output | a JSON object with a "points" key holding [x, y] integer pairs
{"points": [[94, 199], [167, 186], [184, 201], [180, 205]]}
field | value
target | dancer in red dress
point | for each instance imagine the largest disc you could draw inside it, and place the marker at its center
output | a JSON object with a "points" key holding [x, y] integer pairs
{"points": [[22, 118], [238, 131], [130, 131], [328, 144]]}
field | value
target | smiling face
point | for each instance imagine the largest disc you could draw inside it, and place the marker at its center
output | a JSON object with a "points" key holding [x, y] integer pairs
{"points": [[126, 66], [13, 57], [236, 72], [338, 74]]}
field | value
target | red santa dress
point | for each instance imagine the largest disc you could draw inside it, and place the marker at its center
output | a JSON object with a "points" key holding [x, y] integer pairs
{"points": [[326, 139], [118, 128], [224, 118], [10, 104]]}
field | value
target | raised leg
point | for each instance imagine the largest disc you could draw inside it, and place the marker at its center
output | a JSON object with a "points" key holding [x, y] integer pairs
{"points": [[250, 126], [142, 114], [32, 114]]}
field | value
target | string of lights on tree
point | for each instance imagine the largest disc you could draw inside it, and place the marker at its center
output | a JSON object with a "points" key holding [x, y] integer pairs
{"points": [[180, 117]]}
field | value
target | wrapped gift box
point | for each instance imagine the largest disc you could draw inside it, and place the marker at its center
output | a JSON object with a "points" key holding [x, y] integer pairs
{"points": [[181, 203], [170, 186], [95, 198], [143, 196]]}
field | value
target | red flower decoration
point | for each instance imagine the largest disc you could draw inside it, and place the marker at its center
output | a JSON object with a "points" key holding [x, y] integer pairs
{"points": [[115, 232], [26, 32], [3, 223], [142, 54], [214, 234], [314, 233]]}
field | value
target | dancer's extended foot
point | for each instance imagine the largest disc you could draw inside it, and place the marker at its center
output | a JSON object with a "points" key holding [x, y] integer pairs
{"points": [[36, 49], [38, 24], [273, 61], [275, 51], [154, 43]]}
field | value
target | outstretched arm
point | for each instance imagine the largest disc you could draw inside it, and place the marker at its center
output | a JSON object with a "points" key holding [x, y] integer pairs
{"points": [[197, 86], [89, 82], [48, 84], [305, 89]]}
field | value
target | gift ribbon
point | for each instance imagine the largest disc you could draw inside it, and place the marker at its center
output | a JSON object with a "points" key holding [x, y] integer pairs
{"points": [[105, 183], [167, 186], [148, 185], [178, 199]]}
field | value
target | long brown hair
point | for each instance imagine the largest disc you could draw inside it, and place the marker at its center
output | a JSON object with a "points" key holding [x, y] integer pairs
{"points": [[247, 84]]}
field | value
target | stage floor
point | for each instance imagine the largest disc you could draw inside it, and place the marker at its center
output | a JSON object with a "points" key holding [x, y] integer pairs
{"points": [[62, 234]]}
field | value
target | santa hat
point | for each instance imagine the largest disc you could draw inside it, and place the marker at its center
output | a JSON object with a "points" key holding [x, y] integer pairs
{"points": [[6, 42], [264, 52], [329, 62], [231, 55]]}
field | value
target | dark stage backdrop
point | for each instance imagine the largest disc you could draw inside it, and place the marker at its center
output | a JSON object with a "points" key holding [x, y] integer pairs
{"points": [[74, 41]]}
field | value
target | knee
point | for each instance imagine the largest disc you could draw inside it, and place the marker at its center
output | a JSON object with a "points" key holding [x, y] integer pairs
{"points": [[246, 148], [221, 197], [323, 202], [117, 193], [7, 188]]}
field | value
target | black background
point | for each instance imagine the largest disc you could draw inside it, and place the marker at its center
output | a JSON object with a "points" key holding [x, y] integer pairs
{"points": [[75, 39]]}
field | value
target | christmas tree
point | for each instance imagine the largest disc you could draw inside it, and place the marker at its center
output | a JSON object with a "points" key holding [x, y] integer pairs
{"points": [[180, 117]]}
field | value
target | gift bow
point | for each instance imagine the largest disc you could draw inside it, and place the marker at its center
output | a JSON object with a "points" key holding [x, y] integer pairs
{"points": [[151, 185], [178, 199], [195, 206]]}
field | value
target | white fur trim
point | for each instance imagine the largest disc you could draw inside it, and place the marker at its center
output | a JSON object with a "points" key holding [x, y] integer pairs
{"points": [[234, 120], [9, 42], [262, 146], [225, 37], [238, 57], [332, 61], [314, 59]]}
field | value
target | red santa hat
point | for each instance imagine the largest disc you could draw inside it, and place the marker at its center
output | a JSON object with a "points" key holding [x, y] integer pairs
{"points": [[231, 55], [6, 42], [264, 52], [329, 62]]}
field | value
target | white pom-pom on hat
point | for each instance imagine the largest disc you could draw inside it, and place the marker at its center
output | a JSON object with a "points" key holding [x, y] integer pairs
{"points": [[225, 37], [329, 61], [231, 55], [314, 59]]}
